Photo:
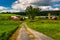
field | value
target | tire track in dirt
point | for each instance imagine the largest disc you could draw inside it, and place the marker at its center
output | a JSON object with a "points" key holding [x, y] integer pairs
{"points": [[26, 33]]}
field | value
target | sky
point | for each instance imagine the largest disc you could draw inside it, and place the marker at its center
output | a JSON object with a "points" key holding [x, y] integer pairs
{"points": [[20, 5], [55, 4], [6, 3]]}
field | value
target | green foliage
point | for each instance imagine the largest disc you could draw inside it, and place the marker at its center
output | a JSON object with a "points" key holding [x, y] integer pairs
{"points": [[31, 12], [7, 27], [45, 13], [6, 16], [49, 27]]}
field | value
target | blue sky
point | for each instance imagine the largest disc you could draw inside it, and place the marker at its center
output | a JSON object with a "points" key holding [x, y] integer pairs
{"points": [[6, 3], [55, 4], [20, 5]]}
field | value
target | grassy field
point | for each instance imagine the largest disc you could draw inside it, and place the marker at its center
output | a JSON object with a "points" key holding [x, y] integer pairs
{"points": [[7, 26], [6, 16], [48, 27]]}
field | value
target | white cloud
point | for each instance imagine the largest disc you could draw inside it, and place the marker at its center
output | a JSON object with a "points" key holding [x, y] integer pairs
{"points": [[47, 8], [16, 2], [13, 11], [43, 4], [56, 9], [22, 4], [55, 0], [57, 5], [2, 8], [10, 11]]}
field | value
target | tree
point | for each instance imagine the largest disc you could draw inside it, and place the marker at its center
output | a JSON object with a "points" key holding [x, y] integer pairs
{"points": [[31, 12]]}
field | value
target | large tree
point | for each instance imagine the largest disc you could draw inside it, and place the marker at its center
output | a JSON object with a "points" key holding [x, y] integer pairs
{"points": [[31, 12]]}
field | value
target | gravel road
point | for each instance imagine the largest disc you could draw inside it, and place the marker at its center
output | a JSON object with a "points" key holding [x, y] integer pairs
{"points": [[23, 35]]}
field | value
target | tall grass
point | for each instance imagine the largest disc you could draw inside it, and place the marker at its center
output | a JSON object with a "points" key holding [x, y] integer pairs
{"points": [[6, 16], [7, 26], [48, 27]]}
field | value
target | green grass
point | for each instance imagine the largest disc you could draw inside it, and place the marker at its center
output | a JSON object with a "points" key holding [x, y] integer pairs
{"points": [[6, 16], [7, 26], [48, 27]]}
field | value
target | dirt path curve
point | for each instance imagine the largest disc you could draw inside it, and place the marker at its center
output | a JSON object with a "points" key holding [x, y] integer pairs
{"points": [[23, 34], [26, 33]]}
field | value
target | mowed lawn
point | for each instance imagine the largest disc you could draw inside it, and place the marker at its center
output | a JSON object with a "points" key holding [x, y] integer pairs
{"points": [[50, 28], [7, 26]]}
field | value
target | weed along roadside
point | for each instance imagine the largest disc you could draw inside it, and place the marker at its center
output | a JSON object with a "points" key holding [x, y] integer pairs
{"points": [[50, 28], [15, 34]]}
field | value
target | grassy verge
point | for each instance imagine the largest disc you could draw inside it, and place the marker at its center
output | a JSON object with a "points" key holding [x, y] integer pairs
{"points": [[48, 27], [15, 34], [7, 28]]}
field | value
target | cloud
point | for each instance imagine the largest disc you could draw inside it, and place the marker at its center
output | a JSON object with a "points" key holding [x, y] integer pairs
{"points": [[57, 5], [22, 4], [48, 8], [55, 0], [2, 8], [36, 2], [12, 10], [5, 9]]}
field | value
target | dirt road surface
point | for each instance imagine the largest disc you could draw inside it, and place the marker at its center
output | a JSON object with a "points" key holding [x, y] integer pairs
{"points": [[26, 33]]}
